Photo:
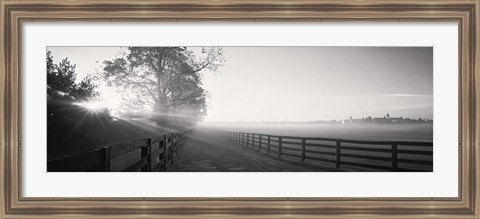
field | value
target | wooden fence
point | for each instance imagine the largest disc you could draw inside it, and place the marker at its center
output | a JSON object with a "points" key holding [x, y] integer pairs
{"points": [[156, 154], [401, 156]]}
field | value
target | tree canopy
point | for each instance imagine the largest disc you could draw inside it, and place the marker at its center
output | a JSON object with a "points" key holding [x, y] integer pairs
{"points": [[61, 82], [165, 80]]}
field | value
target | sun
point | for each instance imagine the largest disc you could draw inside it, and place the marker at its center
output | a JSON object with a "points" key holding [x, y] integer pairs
{"points": [[94, 105], [109, 99]]}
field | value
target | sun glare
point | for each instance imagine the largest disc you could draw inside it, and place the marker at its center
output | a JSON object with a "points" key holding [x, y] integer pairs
{"points": [[94, 106], [108, 99]]}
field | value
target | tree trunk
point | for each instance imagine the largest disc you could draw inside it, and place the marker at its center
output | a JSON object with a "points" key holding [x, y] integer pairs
{"points": [[161, 110]]}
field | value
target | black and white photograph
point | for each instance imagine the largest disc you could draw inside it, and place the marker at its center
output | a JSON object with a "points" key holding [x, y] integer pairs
{"points": [[239, 109]]}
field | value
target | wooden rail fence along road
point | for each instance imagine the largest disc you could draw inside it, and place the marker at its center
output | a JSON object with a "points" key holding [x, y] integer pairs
{"points": [[156, 155], [403, 156]]}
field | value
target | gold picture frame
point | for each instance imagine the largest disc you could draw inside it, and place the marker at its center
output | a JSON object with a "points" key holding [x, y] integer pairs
{"points": [[14, 12]]}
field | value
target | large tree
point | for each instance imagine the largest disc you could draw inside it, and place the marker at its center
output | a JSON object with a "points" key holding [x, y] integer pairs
{"points": [[165, 79]]}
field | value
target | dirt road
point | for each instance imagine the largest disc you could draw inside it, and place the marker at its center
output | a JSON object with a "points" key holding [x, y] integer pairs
{"points": [[208, 151]]}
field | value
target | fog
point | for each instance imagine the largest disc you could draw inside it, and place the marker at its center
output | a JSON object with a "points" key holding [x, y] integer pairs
{"points": [[374, 132]]}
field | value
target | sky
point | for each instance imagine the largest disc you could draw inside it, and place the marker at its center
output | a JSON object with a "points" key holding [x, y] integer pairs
{"points": [[302, 83]]}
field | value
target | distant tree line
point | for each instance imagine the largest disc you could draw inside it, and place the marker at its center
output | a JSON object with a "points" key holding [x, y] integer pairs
{"points": [[387, 119], [365, 120]]}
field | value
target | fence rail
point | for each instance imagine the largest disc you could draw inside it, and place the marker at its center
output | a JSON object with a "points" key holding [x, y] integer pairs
{"points": [[395, 156], [155, 155]]}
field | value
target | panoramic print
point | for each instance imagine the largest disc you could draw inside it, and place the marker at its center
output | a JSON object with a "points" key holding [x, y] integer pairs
{"points": [[239, 109]]}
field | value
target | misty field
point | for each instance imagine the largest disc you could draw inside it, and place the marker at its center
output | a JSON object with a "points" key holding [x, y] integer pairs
{"points": [[374, 132], [366, 132]]}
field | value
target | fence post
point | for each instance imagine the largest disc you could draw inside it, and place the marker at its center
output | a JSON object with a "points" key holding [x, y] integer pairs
{"points": [[164, 153], [243, 138], [279, 146], [303, 149], [338, 152], [268, 145], [246, 139], [394, 157], [106, 159], [260, 143], [151, 159], [172, 148], [253, 141], [158, 156], [145, 152], [176, 143]]}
